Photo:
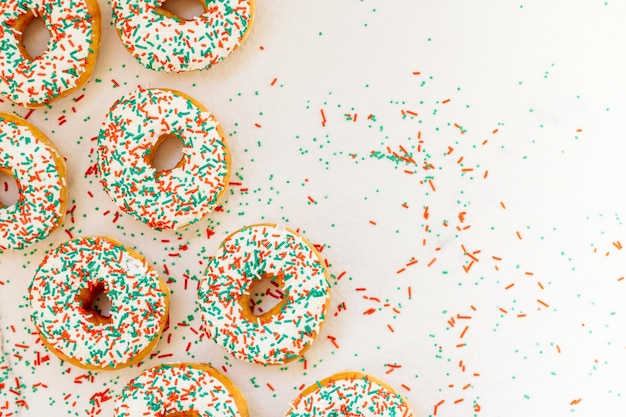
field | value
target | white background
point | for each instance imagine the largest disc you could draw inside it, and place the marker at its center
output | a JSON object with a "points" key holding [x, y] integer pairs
{"points": [[548, 75]]}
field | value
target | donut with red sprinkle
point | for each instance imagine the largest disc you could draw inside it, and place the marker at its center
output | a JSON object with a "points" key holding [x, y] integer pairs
{"points": [[134, 128], [72, 325], [27, 155], [68, 61], [350, 394], [283, 333], [163, 41], [181, 389]]}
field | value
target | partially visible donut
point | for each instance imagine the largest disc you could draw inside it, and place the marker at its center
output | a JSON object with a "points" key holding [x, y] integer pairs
{"points": [[29, 156], [134, 127], [66, 65], [61, 297], [161, 41], [181, 389], [350, 394], [283, 333]]}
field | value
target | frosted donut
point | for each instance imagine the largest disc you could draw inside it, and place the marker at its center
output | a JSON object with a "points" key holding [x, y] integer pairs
{"points": [[181, 389], [62, 291], [161, 41], [66, 65], [28, 156], [350, 394], [283, 333], [134, 127]]}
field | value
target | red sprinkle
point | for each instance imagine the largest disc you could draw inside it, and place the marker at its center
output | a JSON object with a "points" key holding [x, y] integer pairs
{"points": [[333, 339]]}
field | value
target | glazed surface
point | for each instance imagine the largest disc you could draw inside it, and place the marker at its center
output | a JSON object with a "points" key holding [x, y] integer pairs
{"points": [[138, 303], [74, 27], [40, 174], [177, 388], [168, 199], [166, 43], [246, 256], [350, 394]]}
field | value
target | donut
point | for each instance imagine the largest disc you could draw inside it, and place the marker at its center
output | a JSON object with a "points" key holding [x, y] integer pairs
{"points": [[162, 41], [67, 64], [283, 333], [181, 389], [350, 394], [64, 287], [27, 155], [134, 128]]}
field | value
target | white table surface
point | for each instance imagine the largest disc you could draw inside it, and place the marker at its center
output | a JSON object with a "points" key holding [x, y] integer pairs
{"points": [[530, 94]]}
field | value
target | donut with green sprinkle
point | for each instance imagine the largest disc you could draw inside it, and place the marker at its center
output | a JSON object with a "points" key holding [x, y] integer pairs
{"points": [[68, 61], [181, 389], [134, 128], [28, 156], [163, 41], [71, 322], [350, 394], [283, 333]]}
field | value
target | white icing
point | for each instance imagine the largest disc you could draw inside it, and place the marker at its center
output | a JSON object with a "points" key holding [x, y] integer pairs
{"points": [[32, 163], [137, 302], [58, 69], [171, 44], [243, 257], [174, 198], [351, 397], [173, 388]]}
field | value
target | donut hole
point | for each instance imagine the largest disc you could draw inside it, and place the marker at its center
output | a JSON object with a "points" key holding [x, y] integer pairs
{"points": [[9, 189], [184, 9], [101, 304], [35, 35], [166, 154], [96, 304], [266, 297]]}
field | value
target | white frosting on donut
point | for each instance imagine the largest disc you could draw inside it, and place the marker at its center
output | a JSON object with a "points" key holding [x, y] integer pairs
{"points": [[245, 256], [32, 163], [173, 198], [171, 44], [138, 305], [173, 388], [73, 37], [350, 396]]}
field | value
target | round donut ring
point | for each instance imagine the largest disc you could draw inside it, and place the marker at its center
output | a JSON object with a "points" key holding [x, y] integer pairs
{"points": [[28, 156], [350, 394], [134, 127], [181, 389], [66, 65], [162, 41], [285, 332], [64, 287]]}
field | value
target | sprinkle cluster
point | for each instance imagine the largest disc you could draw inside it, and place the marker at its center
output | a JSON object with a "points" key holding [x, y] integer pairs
{"points": [[138, 303], [171, 44], [245, 256], [60, 69], [42, 189], [173, 198], [172, 388], [352, 394]]}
